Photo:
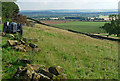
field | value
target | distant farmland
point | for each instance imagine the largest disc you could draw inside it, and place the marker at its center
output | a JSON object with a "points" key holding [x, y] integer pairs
{"points": [[54, 21], [86, 27]]}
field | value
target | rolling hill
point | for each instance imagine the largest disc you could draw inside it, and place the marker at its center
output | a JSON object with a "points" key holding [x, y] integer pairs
{"points": [[82, 57]]}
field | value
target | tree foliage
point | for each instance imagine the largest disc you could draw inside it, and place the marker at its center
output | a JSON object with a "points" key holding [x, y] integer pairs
{"points": [[114, 26], [19, 19], [8, 10]]}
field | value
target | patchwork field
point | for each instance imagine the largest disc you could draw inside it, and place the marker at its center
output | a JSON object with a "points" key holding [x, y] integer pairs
{"points": [[86, 27], [54, 21], [81, 57]]}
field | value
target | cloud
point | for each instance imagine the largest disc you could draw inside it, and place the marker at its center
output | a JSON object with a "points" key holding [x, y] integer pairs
{"points": [[68, 0], [67, 4]]}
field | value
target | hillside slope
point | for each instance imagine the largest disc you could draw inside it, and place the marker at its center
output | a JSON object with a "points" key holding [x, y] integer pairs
{"points": [[81, 57]]}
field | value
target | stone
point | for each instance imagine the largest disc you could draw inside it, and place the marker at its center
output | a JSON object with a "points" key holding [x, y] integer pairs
{"points": [[33, 45], [20, 48], [22, 42], [46, 73], [59, 69], [38, 73], [43, 77], [24, 39], [36, 77], [56, 70], [20, 72], [37, 67], [33, 75], [11, 35], [28, 74], [30, 71], [12, 42], [24, 73], [24, 61]]}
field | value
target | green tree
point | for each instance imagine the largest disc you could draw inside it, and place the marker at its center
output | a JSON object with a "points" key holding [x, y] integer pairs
{"points": [[113, 27], [8, 10]]}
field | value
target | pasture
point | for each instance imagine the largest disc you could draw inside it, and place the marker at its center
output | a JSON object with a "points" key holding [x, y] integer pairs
{"points": [[86, 27], [49, 22]]}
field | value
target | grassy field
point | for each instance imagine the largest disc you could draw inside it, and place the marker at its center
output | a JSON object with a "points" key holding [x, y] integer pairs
{"points": [[86, 27], [81, 57], [54, 21]]}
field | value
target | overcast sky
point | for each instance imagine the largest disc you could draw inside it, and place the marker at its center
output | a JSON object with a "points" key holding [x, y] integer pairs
{"points": [[67, 4]]}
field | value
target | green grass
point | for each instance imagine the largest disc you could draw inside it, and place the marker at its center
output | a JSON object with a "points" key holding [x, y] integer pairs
{"points": [[81, 57], [87, 27]]}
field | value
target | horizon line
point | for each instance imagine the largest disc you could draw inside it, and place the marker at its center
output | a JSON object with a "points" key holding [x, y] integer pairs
{"points": [[71, 9]]}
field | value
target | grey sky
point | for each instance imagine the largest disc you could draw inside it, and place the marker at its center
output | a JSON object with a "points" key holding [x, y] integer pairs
{"points": [[67, 4]]}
